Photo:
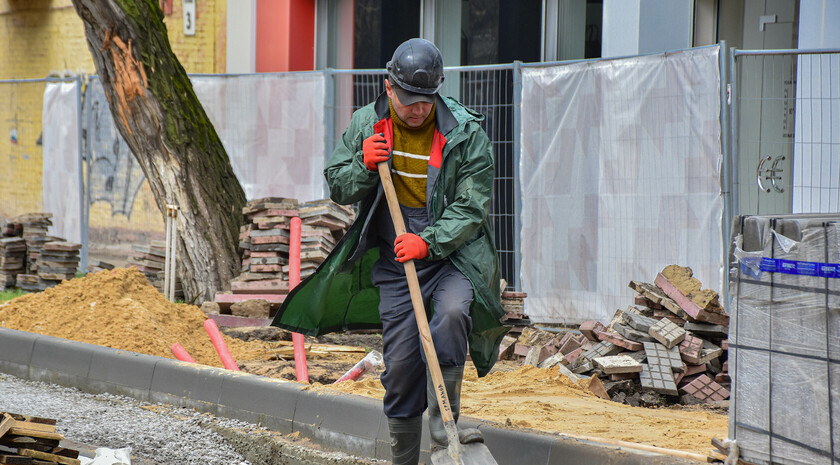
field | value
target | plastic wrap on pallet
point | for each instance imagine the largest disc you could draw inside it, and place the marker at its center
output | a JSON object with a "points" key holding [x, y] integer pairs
{"points": [[784, 347]]}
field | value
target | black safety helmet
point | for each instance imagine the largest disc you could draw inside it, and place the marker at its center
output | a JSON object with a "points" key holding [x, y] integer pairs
{"points": [[417, 68]]}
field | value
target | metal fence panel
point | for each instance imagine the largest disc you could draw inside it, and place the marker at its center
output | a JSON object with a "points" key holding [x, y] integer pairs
{"points": [[488, 90], [786, 131]]}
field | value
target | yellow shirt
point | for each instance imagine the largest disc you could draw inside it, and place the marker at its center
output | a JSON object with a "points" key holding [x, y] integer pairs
{"points": [[410, 157]]}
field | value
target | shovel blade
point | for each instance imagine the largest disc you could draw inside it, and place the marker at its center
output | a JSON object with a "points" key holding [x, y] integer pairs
{"points": [[475, 453]]}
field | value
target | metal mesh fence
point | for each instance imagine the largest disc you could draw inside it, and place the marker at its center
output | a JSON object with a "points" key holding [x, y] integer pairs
{"points": [[786, 131], [487, 90]]}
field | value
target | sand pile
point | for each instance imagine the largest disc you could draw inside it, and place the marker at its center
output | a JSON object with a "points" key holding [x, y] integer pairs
{"points": [[120, 309]]}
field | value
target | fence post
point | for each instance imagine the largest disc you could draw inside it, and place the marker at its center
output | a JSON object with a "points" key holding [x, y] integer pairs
{"points": [[726, 166], [517, 148], [329, 113], [82, 216]]}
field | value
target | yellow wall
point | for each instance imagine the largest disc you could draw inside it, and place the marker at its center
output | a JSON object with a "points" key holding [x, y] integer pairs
{"points": [[41, 37]]}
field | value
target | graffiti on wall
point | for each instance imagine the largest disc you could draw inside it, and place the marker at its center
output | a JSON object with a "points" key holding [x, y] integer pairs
{"points": [[115, 176]]}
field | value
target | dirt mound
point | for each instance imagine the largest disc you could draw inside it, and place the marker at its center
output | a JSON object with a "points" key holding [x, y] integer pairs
{"points": [[120, 309]]}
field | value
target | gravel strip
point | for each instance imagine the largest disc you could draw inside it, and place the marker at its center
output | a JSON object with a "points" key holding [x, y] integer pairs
{"points": [[157, 433], [160, 434]]}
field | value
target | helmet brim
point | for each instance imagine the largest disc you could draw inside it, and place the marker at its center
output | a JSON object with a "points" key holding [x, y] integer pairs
{"points": [[409, 98]]}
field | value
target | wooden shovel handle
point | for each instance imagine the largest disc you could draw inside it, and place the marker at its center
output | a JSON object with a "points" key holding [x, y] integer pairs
{"points": [[417, 299]]}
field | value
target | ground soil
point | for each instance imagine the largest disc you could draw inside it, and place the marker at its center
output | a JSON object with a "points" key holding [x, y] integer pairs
{"points": [[119, 309]]}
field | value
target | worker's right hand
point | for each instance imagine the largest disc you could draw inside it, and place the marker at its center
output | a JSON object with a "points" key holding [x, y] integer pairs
{"points": [[375, 150]]}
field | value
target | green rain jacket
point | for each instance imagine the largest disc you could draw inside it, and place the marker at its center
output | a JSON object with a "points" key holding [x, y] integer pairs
{"points": [[339, 296]]}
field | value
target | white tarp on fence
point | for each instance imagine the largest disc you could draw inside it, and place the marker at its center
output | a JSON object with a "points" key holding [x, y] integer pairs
{"points": [[620, 177], [61, 187], [272, 126]]}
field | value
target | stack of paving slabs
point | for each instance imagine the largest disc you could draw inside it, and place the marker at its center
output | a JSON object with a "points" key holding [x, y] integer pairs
{"points": [[264, 242], [672, 343], [58, 261], [514, 305], [26, 439], [12, 260], [151, 261], [324, 222], [34, 228], [785, 289]]}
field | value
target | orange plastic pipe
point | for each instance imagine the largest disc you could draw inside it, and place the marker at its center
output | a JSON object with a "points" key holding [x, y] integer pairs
{"points": [[301, 370], [181, 353], [219, 345]]}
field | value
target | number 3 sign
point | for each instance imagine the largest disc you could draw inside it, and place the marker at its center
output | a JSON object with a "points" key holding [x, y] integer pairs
{"points": [[189, 17]]}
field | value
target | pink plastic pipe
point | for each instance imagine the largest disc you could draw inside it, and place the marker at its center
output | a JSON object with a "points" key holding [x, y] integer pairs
{"points": [[219, 345], [301, 370], [181, 353]]}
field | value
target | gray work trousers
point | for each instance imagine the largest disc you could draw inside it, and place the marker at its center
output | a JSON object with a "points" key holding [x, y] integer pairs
{"points": [[450, 294]]}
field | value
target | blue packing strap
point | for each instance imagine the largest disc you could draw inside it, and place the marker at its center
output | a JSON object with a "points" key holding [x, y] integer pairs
{"points": [[817, 269]]}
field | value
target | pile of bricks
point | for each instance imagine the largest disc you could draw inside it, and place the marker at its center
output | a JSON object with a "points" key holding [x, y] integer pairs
{"points": [[324, 222], [32, 440], [264, 243], [673, 341], [151, 261], [12, 260]]}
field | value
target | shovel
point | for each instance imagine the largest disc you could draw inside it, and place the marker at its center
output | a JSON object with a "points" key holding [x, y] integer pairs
{"points": [[474, 453]]}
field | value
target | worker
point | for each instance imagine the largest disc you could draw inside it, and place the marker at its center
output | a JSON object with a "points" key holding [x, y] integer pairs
{"points": [[442, 168]]}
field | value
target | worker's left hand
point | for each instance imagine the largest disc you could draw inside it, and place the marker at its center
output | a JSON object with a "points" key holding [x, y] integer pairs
{"points": [[410, 247]]}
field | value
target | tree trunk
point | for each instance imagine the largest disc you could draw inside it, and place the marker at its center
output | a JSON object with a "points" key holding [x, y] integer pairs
{"points": [[163, 122]]}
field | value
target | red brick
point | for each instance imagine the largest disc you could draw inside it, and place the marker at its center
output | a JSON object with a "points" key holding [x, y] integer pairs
{"points": [[573, 355], [569, 345], [590, 328], [705, 389], [620, 341]]}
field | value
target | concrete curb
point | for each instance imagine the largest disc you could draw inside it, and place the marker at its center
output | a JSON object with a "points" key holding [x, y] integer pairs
{"points": [[351, 424]]}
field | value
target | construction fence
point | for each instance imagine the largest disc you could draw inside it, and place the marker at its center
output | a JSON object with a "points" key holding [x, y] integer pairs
{"points": [[606, 170]]}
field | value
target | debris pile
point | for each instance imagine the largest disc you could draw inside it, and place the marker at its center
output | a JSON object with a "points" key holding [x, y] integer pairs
{"points": [[26, 439], [671, 342], [265, 239], [151, 261]]}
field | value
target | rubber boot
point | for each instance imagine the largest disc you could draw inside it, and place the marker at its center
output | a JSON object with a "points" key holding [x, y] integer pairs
{"points": [[405, 440], [452, 377]]}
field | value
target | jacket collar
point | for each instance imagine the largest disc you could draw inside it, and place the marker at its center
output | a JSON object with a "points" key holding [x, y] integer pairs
{"points": [[444, 119]]}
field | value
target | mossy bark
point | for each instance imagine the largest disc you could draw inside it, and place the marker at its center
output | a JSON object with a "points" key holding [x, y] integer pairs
{"points": [[173, 140]]}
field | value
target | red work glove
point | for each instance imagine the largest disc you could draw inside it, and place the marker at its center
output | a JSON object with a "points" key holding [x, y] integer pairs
{"points": [[410, 247], [375, 150]]}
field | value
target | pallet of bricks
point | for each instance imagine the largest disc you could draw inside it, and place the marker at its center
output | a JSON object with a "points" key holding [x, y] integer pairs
{"points": [[48, 260], [151, 261], [672, 341], [26, 439], [264, 243]]}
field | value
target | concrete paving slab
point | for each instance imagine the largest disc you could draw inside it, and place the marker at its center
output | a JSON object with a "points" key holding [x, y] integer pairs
{"points": [[658, 354], [618, 364], [639, 322], [690, 349], [659, 378], [200, 386], [667, 333], [60, 361], [265, 401], [320, 415], [705, 389], [16, 348]]}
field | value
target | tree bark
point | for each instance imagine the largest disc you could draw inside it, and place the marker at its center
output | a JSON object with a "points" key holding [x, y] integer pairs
{"points": [[173, 140]]}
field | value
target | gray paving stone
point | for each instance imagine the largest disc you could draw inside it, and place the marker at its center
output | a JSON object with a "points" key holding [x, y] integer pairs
{"points": [[639, 322], [667, 332], [658, 354], [632, 334], [659, 378]]}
